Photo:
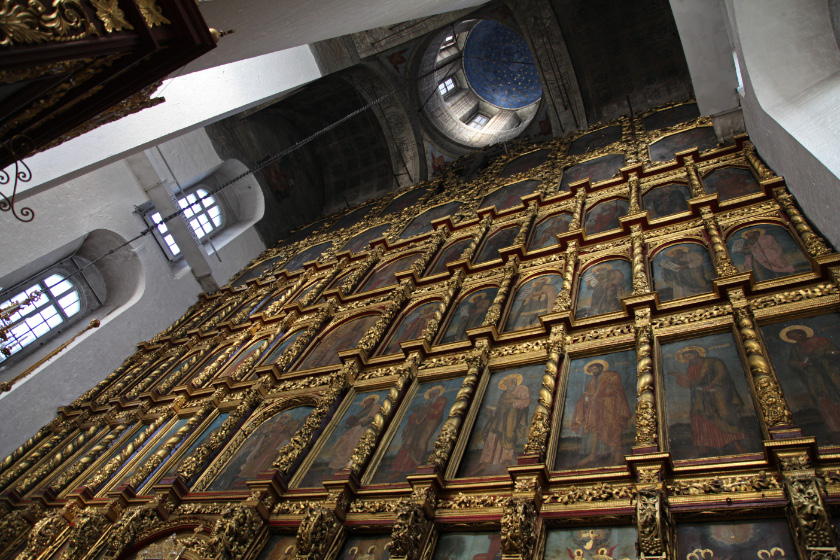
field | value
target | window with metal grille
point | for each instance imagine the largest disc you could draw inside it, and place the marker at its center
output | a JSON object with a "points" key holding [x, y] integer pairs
{"points": [[202, 211]]}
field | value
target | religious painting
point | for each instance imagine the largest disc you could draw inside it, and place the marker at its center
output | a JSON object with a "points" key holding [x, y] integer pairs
{"points": [[496, 241], [501, 427], [708, 405], [592, 543], [604, 216], [339, 445], [597, 429], [701, 137], [306, 290], [278, 351], [208, 431], [534, 298], [258, 452], [525, 163], [361, 242], [595, 140], [602, 286], [469, 315], [545, 234], [509, 196], [806, 356], [279, 547], [240, 359], [148, 450], [344, 337], [366, 547], [731, 182], [766, 539], [682, 270], [449, 254], [297, 262], [414, 439], [386, 275], [404, 201], [768, 251], [666, 200], [469, 546], [423, 222], [672, 116], [411, 327], [596, 170], [256, 271], [352, 218]]}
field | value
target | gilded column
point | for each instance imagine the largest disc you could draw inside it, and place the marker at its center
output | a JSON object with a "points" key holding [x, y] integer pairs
{"points": [[494, 313], [44, 470], [519, 528], [814, 243], [126, 379], [101, 386], [291, 353], [448, 435], [437, 239], [398, 297], [411, 531], [244, 369], [318, 531], [541, 422], [564, 298], [350, 284], [211, 369], [723, 263], [525, 224], [646, 426], [468, 253], [774, 408], [693, 179], [452, 288], [313, 294], [153, 376], [232, 304], [762, 170], [276, 306], [653, 525], [641, 284], [577, 212], [172, 380], [809, 516], [60, 430], [635, 195]]}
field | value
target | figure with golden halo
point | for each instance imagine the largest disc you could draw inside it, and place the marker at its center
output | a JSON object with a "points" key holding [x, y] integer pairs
{"points": [[715, 405], [354, 425], [422, 424], [534, 299], [507, 426], [607, 285], [765, 256], [601, 415], [683, 271], [817, 362]]}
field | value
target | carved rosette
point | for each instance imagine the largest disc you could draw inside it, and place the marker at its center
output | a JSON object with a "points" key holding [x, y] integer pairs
{"points": [[641, 284], [810, 520], [445, 441], [410, 531], [494, 313], [541, 422], [723, 263], [646, 428], [814, 243], [318, 530], [519, 528], [352, 281]]}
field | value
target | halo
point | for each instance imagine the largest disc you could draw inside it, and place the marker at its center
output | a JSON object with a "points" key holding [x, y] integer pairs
{"points": [[289, 549], [673, 250], [809, 332], [472, 298], [372, 549], [603, 363], [374, 397], [680, 356], [606, 266], [515, 376], [436, 387], [353, 550], [746, 231]]}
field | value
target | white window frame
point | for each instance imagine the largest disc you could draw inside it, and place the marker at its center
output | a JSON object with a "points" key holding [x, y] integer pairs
{"points": [[447, 86], [475, 121]]}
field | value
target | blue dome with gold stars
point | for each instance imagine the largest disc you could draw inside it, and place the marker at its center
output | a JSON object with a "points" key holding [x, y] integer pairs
{"points": [[499, 66]]}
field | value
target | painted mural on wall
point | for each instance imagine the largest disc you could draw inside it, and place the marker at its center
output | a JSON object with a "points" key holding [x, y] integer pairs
{"points": [[501, 427], [411, 327], [469, 314], [709, 409], [806, 356], [731, 182], [279, 547], [386, 274], [497, 240], [534, 298], [339, 445], [525, 163], [602, 287], [597, 427], [404, 201], [414, 439], [509, 196], [366, 547], [344, 337], [682, 270], [592, 543], [604, 216], [278, 351], [361, 242], [768, 251], [423, 222], [546, 231], [765, 539], [259, 450], [449, 254], [595, 140], [468, 546], [666, 200], [596, 170], [701, 137], [297, 262], [216, 423]]}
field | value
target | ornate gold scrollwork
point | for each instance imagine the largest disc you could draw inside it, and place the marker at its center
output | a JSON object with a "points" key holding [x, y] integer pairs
{"points": [[723, 263], [519, 528], [435, 241], [646, 425], [564, 298], [350, 284], [452, 287], [88, 526], [762, 170], [111, 16], [318, 530], [494, 312], [44, 470], [814, 243], [525, 224], [33, 22], [46, 531], [635, 195], [641, 284], [410, 531], [469, 251], [693, 178], [811, 523], [653, 525], [399, 295], [235, 531], [152, 13], [541, 422]]}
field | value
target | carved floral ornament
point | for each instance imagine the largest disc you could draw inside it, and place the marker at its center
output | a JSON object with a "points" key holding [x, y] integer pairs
{"points": [[525, 422]]}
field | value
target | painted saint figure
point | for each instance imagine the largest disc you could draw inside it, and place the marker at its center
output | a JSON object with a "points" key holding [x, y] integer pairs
{"points": [[354, 426], [816, 361], [607, 285], [509, 423], [601, 415], [535, 298], [421, 427], [684, 272], [470, 314], [765, 256], [716, 406]]}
